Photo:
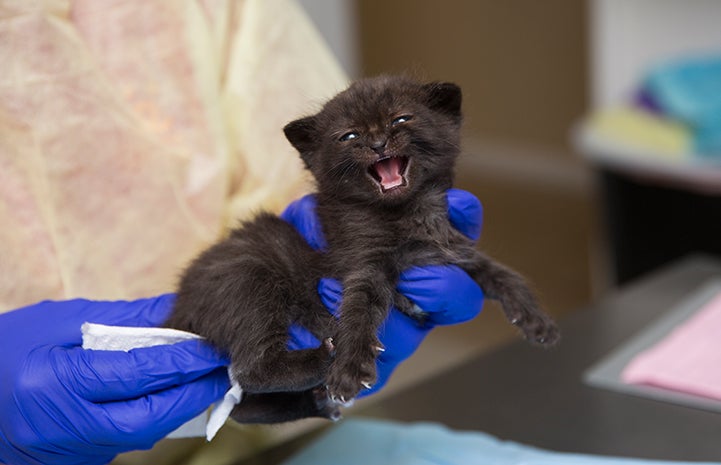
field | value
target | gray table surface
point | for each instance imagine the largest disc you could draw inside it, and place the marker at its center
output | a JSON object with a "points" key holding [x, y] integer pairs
{"points": [[538, 397]]}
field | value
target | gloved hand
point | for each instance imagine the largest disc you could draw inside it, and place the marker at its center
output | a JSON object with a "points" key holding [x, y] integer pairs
{"points": [[62, 404], [446, 293]]}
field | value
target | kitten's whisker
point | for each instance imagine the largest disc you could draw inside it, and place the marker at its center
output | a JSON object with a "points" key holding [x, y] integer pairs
{"points": [[341, 170]]}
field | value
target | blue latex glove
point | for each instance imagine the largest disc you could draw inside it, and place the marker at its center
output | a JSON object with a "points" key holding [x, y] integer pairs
{"points": [[62, 404], [446, 293]]}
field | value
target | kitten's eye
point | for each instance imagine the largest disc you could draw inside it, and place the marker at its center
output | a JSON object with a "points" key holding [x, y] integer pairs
{"points": [[348, 136], [401, 119]]}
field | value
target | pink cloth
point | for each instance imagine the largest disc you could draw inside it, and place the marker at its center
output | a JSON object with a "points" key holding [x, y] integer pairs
{"points": [[687, 360]]}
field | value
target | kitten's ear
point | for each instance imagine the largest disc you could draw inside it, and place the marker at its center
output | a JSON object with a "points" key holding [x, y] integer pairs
{"points": [[302, 134], [444, 97]]}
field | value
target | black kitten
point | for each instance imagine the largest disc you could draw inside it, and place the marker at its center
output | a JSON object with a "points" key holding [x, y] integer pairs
{"points": [[382, 153]]}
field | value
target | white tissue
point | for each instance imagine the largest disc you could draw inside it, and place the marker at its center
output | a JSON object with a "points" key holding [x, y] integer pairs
{"points": [[223, 409], [103, 337]]}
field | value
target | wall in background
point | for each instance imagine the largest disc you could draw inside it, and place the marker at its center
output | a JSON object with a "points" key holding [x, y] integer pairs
{"points": [[522, 64]]}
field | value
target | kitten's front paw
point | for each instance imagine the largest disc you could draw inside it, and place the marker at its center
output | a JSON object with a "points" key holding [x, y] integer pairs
{"points": [[346, 380], [538, 328]]}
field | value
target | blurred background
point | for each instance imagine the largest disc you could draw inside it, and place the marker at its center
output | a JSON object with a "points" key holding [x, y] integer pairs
{"points": [[576, 213]]}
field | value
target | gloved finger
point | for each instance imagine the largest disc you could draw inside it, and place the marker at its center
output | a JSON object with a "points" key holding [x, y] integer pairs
{"points": [[140, 423], [465, 212], [384, 370], [445, 292], [300, 338], [104, 376], [62, 319], [151, 311], [401, 336], [331, 294], [301, 214]]}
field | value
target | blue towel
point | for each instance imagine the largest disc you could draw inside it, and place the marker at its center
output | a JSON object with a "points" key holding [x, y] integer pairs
{"points": [[373, 442], [689, 90]]}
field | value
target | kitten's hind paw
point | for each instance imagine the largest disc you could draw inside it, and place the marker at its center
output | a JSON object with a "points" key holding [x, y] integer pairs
{"points": [[327, 408]]}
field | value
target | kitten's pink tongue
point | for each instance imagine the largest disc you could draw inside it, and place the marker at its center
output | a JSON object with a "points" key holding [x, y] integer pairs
{"points": [[389, 170]]}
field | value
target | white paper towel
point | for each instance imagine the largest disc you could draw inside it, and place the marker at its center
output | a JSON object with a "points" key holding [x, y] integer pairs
{"points": [[103, 337]]}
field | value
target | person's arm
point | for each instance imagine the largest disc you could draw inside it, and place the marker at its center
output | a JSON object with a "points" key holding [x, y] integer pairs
{"points": [[62, 404], [445, 293]]}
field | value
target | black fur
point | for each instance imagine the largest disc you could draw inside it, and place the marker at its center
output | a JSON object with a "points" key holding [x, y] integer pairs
{"points": [[243, 293]]}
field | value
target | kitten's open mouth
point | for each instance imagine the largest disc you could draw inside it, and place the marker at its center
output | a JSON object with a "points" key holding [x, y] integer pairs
{"points": [[390, 172]]}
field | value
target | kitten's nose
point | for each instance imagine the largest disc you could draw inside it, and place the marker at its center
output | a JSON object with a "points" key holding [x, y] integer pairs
{"points": [[379, 145]]}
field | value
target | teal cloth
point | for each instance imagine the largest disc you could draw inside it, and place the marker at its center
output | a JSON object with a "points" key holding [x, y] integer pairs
{"points": [[373, 442], [689, 90]]}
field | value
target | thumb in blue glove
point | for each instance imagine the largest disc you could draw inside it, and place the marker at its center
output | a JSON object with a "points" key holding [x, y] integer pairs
{"points": [[62, 404], [445, 293]]}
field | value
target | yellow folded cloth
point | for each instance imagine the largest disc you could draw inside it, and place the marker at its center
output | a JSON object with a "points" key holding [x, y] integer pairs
{"points": [[643, 131]]}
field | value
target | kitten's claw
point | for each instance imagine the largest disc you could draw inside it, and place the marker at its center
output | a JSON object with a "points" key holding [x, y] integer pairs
{"points": [[537, 328], [325, 405], [340, 400], [330, 347], [366, 384], [380, 349]]}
